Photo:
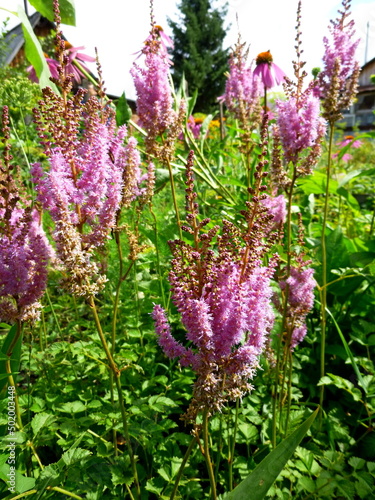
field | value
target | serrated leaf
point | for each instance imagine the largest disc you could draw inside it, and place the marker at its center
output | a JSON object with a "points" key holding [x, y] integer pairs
{"points": [[72, 407], [356, 462], [72, 456], [41, 420], [307, 484]]}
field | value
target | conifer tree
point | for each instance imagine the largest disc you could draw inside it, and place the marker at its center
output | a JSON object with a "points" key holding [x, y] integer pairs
{"points": [[198, 51]]}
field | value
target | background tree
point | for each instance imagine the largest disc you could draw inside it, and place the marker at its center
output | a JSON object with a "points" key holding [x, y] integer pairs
{"points": [[198, 51]]}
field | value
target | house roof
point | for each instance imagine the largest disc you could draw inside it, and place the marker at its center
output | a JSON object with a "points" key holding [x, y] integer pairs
{"points": [[14, 39], [369, 63]]}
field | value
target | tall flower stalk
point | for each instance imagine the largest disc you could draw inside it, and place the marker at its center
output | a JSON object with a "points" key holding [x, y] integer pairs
{"points": [[337, 84], [24, 254], [242, 99], [224, 299], [299, 131], [162, 123], [90, 175]]}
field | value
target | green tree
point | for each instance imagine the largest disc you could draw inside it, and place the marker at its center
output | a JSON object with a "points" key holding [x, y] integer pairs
{"points": [[198, 51]]}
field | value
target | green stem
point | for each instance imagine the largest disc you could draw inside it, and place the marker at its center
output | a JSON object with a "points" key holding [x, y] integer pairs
{"points": [[210, 470], [173, 189], [233, 445], [219, 448], [182, 466], [158, 267], [289, 391], [8, 369], [324, 268], [116, 373], [53, 488], [276, 392]]}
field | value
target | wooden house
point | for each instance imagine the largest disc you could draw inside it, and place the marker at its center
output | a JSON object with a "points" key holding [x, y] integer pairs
{"points": [[361, 114]]}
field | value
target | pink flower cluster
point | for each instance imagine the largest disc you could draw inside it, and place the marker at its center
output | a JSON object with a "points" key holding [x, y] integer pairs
{"points": [[24, 248], [227, 325], [276, 206], [24, 256], [154, 98], [242, 88], [301, 286], [338, 80], [300, 124], [88, 183]]}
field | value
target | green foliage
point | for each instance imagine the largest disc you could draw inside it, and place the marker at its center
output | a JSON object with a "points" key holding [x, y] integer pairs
{"points": [[67, 10], [198, 53]]}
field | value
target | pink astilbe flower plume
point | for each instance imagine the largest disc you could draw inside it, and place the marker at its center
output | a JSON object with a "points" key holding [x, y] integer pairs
{"points": [[242, 89], [24, 248], [154, 96], [223, 298], [301, 285], [338, 81], [300, 128], [90, 174]]}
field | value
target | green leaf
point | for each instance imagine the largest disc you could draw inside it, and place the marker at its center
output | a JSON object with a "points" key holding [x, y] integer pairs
{"points": [[15, 356], [72, 407], [67, 10], [41, 420], [123, 110], [34, 53], [316, 184], [158, 403], [349, 353], [264, 475], [349, 197], [341, 383], [74, 455]]}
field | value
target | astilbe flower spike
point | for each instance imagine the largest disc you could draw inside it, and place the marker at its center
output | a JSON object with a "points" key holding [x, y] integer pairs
{"points": [[301, 285], [154, 97], [224, 299], [300, 128], [90, 174], [338, 81], [242, 89], [24, 248]]}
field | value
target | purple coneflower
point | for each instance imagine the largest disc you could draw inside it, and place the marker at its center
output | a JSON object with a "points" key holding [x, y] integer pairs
{"points": [[270, 74]]}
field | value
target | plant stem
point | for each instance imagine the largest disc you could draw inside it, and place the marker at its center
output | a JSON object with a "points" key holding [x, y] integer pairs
{"points": [[158, 258], [233, 444], [276, 392], [210, 470], [53, 488], [116, 373], [324, 268], [8, 369], [182, 466], [173, 189]]}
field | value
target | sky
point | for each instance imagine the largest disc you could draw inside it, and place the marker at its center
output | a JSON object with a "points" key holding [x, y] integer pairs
{"points": [[117, 28]]}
